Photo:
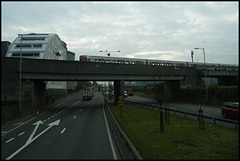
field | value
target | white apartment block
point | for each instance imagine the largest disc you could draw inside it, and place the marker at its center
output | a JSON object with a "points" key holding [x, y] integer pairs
{"points": [[40, 46]]}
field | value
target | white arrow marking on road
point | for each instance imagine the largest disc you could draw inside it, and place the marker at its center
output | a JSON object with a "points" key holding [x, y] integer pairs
{"points": [[50, 125], [29, 142], [34, 131]]}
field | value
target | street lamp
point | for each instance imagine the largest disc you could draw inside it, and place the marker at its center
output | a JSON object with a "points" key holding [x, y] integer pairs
{"points": [[205, 72], [20, 77], [108, 52]]}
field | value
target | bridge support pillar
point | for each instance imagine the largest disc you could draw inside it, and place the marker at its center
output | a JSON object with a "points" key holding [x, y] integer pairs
{"points": [[118, 90], [39, 94], [173, 88]]}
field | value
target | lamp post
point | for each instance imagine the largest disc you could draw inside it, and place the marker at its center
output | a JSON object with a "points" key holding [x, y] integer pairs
{"points": [[20, 77], [205, 72], [108, 52]]}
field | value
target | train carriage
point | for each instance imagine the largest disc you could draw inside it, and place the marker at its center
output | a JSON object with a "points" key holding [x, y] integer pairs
{"points": [[132, 61]]}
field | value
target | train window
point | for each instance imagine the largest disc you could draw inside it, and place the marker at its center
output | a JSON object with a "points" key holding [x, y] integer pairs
{"points": [[101, 60], [127, 62], [132, 62], [138, 62], [154, 63], [182, 64], [81, 58], [193, 65], [108, 61], [121, 62]]}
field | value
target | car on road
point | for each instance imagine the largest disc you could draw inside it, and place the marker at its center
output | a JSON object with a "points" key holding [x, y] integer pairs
{"points": [[230, 110], [125, 94]]}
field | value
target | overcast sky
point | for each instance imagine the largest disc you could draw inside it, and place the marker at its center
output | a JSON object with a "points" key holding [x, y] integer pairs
{"points": [[150, 30]]}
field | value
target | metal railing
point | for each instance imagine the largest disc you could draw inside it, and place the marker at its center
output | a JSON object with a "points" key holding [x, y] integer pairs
{"points": [[215, 119]]}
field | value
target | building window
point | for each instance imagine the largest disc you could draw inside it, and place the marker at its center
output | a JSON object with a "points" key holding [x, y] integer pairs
{"points": [[33, 39], [29, 46], [26, 54]]}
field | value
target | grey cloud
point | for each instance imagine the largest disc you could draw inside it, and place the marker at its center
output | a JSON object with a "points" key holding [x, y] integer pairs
{"points": [[131, 27]]}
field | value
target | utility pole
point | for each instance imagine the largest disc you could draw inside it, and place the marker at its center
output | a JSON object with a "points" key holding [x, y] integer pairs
{"points": [[20, 77]]}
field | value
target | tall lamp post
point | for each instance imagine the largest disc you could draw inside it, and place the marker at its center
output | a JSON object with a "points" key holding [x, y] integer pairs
{"points": [[108, 52], [20, 77], [205, 72]]}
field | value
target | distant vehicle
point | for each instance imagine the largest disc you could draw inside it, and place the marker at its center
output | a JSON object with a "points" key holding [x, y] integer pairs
{"points": [[112, 93], [107, 93], [130, 93], [87, 94], [125, 94], [230, 110]]}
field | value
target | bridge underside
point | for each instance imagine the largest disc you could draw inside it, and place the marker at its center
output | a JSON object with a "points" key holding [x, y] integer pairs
{"points": [[74, 77]]}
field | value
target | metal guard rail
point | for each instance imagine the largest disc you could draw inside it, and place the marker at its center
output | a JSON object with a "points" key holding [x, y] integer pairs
{"points": [[188, 113]]}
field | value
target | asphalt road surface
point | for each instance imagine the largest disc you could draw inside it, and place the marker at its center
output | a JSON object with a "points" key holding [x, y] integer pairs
{"points": [[75, 129]]}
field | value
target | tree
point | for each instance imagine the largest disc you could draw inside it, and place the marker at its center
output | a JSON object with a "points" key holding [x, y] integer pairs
{"points": [[159, 93]]}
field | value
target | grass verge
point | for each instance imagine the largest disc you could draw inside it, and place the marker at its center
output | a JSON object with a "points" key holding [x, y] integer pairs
{"points": [[182, 139]]}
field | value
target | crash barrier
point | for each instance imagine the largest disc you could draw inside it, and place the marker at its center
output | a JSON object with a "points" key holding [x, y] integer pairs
{"points": [[122, 141], [214, 119]]}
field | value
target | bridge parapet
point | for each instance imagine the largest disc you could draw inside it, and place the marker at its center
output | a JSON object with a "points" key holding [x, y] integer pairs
{"points": [[219, 73]]}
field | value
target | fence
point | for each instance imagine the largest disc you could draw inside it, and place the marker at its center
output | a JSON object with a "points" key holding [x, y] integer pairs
{"points": [[215, 119]]}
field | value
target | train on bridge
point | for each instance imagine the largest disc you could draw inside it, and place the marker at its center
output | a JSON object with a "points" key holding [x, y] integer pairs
{"points": [[121, 60]]}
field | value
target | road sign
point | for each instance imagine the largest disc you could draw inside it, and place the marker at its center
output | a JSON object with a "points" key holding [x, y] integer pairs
{"points": [[120, 103], [120, 98]]}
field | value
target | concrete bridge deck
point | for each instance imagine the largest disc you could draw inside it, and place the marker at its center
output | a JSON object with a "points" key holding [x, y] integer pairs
{"points": [[38, 69]]}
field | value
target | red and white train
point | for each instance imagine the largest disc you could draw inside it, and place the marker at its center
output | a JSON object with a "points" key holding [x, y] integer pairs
{"points": [[121, 60]]}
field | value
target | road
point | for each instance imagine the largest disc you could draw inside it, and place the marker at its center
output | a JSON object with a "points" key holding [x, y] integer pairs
{"points": [[211, 111], [75, 129]]}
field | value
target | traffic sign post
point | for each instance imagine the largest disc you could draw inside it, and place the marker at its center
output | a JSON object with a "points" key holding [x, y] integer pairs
{"points": [[121, 103]]}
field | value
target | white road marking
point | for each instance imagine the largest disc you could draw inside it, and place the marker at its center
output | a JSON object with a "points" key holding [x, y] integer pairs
{"points": [[34, 131], [39, 115], [63, 130], [9, 140], [27, 143], [20, 123], [3, 132], [21, 133], [74, 117]]}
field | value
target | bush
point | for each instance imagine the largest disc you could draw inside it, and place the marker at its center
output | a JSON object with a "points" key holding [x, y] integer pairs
{"points": [[227, 93]]}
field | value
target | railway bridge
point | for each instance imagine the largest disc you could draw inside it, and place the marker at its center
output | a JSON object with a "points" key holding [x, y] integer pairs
{"points": [[38, 71]]}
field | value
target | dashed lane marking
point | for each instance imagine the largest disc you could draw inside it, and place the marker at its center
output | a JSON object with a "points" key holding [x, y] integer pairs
{"points": [[21, 133], [63, 130], [9, 140]]}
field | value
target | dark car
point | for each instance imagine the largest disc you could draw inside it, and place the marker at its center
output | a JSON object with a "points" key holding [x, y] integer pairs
{"points": [[230, 110]]}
